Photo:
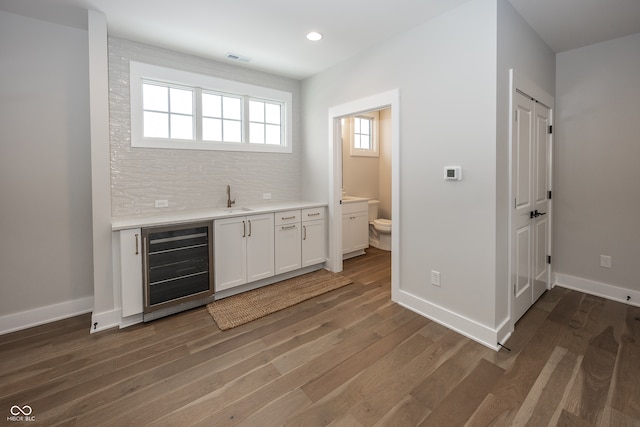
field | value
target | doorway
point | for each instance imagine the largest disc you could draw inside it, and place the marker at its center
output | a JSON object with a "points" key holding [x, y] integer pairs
{"points": [[530, 218], [390, 99]]}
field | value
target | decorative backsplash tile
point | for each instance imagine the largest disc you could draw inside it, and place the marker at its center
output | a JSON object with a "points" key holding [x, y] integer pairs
{"points": [[192, 179]]}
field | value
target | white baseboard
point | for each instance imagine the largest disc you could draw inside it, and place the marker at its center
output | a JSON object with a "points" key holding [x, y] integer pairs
{"points": [[106, 320], [464, 326], [604, 290], [39, 316]]}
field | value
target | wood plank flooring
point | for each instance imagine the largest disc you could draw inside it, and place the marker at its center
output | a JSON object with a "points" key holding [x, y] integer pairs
{"points": [[350, 357]]}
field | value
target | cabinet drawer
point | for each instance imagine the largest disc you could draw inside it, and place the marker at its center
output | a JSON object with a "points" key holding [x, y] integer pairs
{"points": [[313, 214], [288, 217], [354, 207]]}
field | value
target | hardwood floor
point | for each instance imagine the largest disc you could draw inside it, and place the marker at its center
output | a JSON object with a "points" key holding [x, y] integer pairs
{"points": [[346, 358]]}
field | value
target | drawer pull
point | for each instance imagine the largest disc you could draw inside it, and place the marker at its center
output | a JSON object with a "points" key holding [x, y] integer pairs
{"points": [[288, 217], [289, 227], [314, 214]]}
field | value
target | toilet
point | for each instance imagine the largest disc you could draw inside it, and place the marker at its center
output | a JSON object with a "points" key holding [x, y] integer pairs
{"points": [[379, 228]]}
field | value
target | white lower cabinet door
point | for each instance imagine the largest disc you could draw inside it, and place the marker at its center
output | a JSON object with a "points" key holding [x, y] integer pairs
{"points": [[131, 272], [243, 250], [260, 258], [314, 242], [288, 247], [230, 253]]}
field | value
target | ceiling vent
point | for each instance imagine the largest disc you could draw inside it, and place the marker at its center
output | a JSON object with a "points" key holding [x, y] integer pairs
{"points": [[236, 57]]}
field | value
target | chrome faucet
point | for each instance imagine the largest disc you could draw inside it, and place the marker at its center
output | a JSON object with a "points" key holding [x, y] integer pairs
{"points": [[229, 201]]}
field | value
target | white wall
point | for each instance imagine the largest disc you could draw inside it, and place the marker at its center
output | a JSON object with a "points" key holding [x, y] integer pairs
{"points": [[192, 179], [597, 190], [520, 49], [45, 176], [446, 73]]}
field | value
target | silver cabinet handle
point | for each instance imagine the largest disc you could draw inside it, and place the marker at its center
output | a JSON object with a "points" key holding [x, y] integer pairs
{"points": [[288, 217], [137, 249], [289, 227], [249, 228], [304, 232], [244, 229], [314, 214]]}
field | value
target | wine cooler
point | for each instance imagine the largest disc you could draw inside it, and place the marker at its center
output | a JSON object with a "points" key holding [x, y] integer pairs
{"points": [[177, 268]]}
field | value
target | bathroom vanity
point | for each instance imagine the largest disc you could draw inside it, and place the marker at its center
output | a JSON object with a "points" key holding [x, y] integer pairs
{"points": [[355, 226]]}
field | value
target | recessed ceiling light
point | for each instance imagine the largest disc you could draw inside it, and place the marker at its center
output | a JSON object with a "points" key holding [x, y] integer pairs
{"points": [[314, 36]]}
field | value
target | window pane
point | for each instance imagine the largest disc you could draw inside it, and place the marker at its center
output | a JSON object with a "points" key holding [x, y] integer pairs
{"points": [[212, 129], [211, 105], [232, 131], [155, 97], [365, 126], [273, 134], [256, 132], [356, 125], [273, 113], [156, 125], [181, 127], [231, 108], [364, 142], [181, 101], [256, 111]]}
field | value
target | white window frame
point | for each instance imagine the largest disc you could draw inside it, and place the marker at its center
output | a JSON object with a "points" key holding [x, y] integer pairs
{"points": [[374, 151], [140, 72]]}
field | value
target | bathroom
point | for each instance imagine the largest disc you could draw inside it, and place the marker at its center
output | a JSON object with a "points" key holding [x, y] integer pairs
{"points": [[366, 169]]}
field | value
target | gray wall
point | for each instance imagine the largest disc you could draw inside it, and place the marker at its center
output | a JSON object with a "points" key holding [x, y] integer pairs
{"points": [[45, 176], [446, 73], [597, 177]]}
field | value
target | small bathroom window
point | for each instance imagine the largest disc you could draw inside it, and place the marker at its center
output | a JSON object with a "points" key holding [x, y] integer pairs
{"points": [[364, 135]]}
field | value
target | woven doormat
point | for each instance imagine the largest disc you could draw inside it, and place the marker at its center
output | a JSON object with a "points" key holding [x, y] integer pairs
{"points": [[245, 307]]}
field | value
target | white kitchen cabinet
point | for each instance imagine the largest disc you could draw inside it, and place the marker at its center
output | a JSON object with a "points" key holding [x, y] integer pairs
{"points": [[244, 250], [314, 236], [288, 248], [355, 226], [131, 271]]}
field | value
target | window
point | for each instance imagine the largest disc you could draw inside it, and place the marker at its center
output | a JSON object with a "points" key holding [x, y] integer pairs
{"points": [[364, 135], [265, 122], [168, 111], [181, 110], [221, 118]]}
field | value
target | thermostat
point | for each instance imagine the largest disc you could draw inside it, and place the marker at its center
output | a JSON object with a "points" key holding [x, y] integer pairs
{"points": [[453, 173]]}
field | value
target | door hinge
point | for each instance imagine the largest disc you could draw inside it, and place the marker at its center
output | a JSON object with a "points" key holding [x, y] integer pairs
{"points": [[548, 259], [550, 129], [549, 194]]}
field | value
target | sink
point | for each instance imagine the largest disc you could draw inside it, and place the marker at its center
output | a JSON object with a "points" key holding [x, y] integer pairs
{"points": [[236, 210]]}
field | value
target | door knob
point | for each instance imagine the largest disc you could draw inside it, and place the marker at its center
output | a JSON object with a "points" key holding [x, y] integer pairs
{"points": [[537, 214]]}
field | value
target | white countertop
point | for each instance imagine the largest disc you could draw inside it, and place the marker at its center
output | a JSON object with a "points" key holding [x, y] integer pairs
{"points": [[168, 218], [353, 199]]}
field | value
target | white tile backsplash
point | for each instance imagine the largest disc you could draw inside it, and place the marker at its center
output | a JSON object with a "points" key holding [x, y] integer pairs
{"points": [[192, 179]]}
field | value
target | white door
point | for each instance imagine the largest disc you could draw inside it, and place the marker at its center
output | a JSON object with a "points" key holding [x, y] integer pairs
{"points": [[531, 161], [260, 258], [288, 247], [230, 252], [314, 242]]}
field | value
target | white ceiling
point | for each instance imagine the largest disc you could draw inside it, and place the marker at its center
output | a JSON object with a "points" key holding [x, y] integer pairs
{"points": [[272, 33]]}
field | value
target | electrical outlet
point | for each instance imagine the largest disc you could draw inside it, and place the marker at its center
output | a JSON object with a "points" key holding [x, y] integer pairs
{"points": [[162, 203], [605, 261], [435, 278], [266, 196]]}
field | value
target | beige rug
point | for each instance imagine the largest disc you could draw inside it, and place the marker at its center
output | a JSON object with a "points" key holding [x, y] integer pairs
{"points": [[247, 306]]}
